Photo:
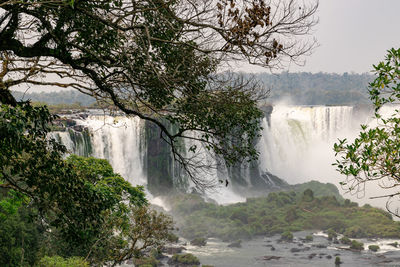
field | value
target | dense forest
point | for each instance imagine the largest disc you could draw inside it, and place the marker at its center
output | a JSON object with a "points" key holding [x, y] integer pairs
{"points": [[295, 88], [306, 88], [56, 98]]}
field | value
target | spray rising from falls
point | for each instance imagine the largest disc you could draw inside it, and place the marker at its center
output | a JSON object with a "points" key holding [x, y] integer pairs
{"points": [[297, 141], [120, 140], [296, 145]]}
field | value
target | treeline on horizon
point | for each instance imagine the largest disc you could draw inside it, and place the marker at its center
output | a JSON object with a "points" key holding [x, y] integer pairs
{"points": [[305, 88], [301, 88]]}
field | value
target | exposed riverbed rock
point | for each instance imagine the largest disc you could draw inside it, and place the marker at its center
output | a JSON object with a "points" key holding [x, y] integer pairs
{"points": [[199, 242], [173, 250], [236, 244], [267, 258]]}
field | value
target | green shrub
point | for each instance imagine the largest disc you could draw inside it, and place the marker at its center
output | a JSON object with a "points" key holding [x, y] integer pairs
{"points": [[337, 261], [287, 236], [356, 245], [57, 261], [146, 262], [331, 234], [373, 248], [345, 240], [184, 259], [308, 195]]}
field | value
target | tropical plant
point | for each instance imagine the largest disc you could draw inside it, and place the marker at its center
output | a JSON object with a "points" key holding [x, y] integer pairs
{"points": [[374, 154]]}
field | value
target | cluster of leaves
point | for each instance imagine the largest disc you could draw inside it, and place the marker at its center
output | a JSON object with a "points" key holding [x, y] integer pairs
{"points": [[374, 154], [185, 259], [69, 207], [278, 213], [58, 261], [158, 59]]}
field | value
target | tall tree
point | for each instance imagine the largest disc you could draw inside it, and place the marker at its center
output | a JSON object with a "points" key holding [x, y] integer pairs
{"points": [[158, 59], [374, 154]]}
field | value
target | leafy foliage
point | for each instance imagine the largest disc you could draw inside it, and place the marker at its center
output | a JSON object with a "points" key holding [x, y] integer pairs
{"points": [[67, 207], [57, 261], [269, 215], [373, 248], [159, 60], [374, 154]]}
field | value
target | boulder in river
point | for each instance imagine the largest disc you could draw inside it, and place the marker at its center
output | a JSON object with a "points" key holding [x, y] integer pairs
{"points": [[236, 244]]}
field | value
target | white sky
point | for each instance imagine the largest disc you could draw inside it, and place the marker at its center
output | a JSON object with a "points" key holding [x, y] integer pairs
{"points": [[353, 35]]}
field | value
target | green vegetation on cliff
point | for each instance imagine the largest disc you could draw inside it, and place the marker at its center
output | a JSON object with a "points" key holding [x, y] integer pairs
{"points": [[280, 212]]}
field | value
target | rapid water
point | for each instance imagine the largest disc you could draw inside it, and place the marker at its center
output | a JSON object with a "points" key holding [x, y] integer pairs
{"points": [[297, 141], [296, 145]]}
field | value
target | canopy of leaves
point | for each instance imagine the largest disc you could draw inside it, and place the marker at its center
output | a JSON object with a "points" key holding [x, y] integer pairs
{"points": [[70, 207], [156, 58], [374, 154]]}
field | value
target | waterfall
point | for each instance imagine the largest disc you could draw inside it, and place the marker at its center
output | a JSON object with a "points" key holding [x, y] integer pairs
{"points": [[297, 141], [296, 144], [120, 141], [214, 172]]}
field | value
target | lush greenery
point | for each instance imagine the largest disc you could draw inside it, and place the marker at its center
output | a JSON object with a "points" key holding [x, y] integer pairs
{"points": [[356, 245], [154, 61], [373, 248], [77, 206], [374, 154], [58, 261], [280, 212], [185, 259]]}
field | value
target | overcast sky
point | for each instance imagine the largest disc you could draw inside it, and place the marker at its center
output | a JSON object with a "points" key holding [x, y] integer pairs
{"points": [[353, 35]]}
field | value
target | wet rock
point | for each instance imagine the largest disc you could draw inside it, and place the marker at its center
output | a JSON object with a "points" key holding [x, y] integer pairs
{"points": [[312, 255], [236, 244], [272, 248], [267, 258], [199, 242], [294, 250], [173, 250], [329, 257], [78, 128], [320, 246], [337, 254], [83, 115]]}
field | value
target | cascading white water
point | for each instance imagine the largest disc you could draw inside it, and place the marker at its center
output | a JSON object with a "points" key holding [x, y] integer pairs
{"points": [[297, 142], [296, 145], [120, 140], [212, 171]]}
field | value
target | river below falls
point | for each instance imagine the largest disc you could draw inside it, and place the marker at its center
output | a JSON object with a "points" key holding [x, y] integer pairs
{"points": [[254, 252]]}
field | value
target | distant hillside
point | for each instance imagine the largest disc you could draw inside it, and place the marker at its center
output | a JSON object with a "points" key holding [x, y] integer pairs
{"points": [[317, 89], [300, 88], [56, 98]]}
